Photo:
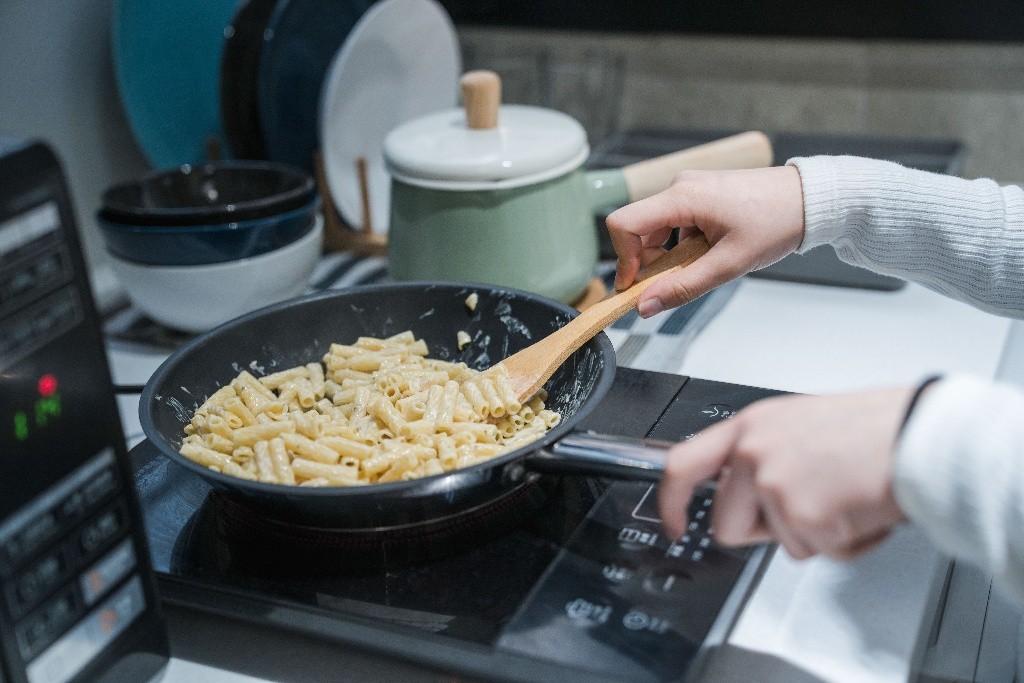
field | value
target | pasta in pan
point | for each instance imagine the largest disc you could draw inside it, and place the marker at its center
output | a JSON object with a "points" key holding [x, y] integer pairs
{"points": [[375, 411]]}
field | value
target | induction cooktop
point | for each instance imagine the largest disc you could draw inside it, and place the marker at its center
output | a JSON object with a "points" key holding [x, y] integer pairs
{"points": [[573, 578]]}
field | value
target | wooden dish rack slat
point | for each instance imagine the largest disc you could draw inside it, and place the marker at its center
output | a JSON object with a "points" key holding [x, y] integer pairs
{"points": [[338, 236]]}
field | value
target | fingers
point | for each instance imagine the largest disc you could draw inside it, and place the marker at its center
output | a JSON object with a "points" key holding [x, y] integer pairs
{"points": [[784, 532], [689, 464], [737, 518], [861, 547], [714, 268], [655, 217]]}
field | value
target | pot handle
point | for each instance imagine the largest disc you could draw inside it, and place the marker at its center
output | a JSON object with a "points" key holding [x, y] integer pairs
{"points": [[610, 189], [602, 455], [752, 149]]}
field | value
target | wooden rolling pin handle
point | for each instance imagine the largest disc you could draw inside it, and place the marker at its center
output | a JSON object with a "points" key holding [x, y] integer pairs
{"points": [[481, 97], [746, 150]]}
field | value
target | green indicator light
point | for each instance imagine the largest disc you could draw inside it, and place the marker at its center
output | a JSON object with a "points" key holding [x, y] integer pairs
{"points": [[47, 408], [20, 426]]}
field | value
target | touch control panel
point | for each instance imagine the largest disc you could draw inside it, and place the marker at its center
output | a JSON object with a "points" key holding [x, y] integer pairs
{"points": [[77, 599], [624, 600]]}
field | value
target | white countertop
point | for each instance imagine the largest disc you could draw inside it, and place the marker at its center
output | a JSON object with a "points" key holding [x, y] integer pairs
{"points": [[857, 621], [819, 619]]}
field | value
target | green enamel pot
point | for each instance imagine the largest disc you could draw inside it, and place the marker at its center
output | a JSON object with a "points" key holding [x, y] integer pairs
{"points": [[496, 194]]}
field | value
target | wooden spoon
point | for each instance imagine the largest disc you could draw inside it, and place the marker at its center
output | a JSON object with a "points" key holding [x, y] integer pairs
{"points": [[530, 368]]}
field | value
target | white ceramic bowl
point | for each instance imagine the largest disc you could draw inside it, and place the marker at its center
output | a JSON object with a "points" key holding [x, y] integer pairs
{"points": [[198, 298]]}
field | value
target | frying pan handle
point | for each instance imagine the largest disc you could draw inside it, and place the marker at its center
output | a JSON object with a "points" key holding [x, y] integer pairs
{"points": [[601, 455]]}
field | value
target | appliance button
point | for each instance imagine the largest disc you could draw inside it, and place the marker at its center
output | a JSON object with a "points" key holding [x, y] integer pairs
{"points": [[39, 580], [46, 623], [20, 283], [98, 531], [32, 537], [49, 268], [101, 485], [114, 566], [76, 648], [72, 508], [32, 635], [61, 611]]}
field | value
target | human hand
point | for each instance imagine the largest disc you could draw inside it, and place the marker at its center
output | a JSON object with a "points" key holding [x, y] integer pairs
{"points": [[751, 218], [812, 472]]}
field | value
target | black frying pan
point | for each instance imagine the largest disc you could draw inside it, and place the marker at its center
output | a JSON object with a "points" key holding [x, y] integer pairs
{"points": [[299, 331]]}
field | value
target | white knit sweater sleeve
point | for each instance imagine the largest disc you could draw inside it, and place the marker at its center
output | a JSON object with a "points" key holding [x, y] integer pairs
{"points": [[960, 474], [959, 466], [962, 238]]}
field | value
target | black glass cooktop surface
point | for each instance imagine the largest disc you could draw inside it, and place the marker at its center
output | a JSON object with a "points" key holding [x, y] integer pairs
{"points": [[566, 576]]}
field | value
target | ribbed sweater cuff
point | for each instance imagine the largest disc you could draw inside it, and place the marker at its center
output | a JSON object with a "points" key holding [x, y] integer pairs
{"points": [[819, 178]]}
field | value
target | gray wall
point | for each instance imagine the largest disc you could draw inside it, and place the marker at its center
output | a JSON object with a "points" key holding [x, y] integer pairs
{"points": [[970, 91], [56, 83]]}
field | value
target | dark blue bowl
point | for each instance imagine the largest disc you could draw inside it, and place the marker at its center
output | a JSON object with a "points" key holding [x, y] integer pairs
{"points": [[192, 245], [218, 192]]}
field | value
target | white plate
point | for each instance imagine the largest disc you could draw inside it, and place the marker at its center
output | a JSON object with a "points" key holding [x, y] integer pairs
{"points": [[400, 61]]}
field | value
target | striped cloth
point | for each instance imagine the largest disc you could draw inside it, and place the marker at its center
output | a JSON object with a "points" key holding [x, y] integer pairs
{"points": [[658, 343]]}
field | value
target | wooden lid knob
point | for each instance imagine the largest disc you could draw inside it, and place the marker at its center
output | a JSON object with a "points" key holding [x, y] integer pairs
{"points": [[481, 97]]}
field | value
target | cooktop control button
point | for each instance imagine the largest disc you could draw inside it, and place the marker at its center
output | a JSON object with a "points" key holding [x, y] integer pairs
{"points": [[571, 621], [616, 573], [718, 411], [637, 620], [697, 541], [588, 612], [635, 538]]}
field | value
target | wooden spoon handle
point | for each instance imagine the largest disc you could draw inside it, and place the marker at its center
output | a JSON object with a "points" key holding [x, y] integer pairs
{"points": [[613, 306], [530, 368]]}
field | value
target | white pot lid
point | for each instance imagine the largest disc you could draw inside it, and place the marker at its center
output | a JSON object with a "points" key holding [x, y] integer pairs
{"points": [[529, 145]]}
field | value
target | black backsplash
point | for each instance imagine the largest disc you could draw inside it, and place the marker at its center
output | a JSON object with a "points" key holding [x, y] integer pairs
{"points": [[1001, 20]]}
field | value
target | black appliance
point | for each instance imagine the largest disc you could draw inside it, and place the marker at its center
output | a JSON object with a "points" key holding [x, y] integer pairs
{"points": [[573, 580], [77, 599]]}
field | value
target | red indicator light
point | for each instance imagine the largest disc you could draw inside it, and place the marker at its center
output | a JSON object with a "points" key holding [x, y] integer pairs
{"points": [[47, 385]]}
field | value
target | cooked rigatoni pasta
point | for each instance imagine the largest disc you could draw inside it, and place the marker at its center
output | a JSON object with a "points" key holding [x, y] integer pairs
{"points": [[372, 412]]}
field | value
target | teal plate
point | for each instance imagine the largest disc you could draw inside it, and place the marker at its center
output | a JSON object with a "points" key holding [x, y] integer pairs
{"points": [[167, 57]]}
